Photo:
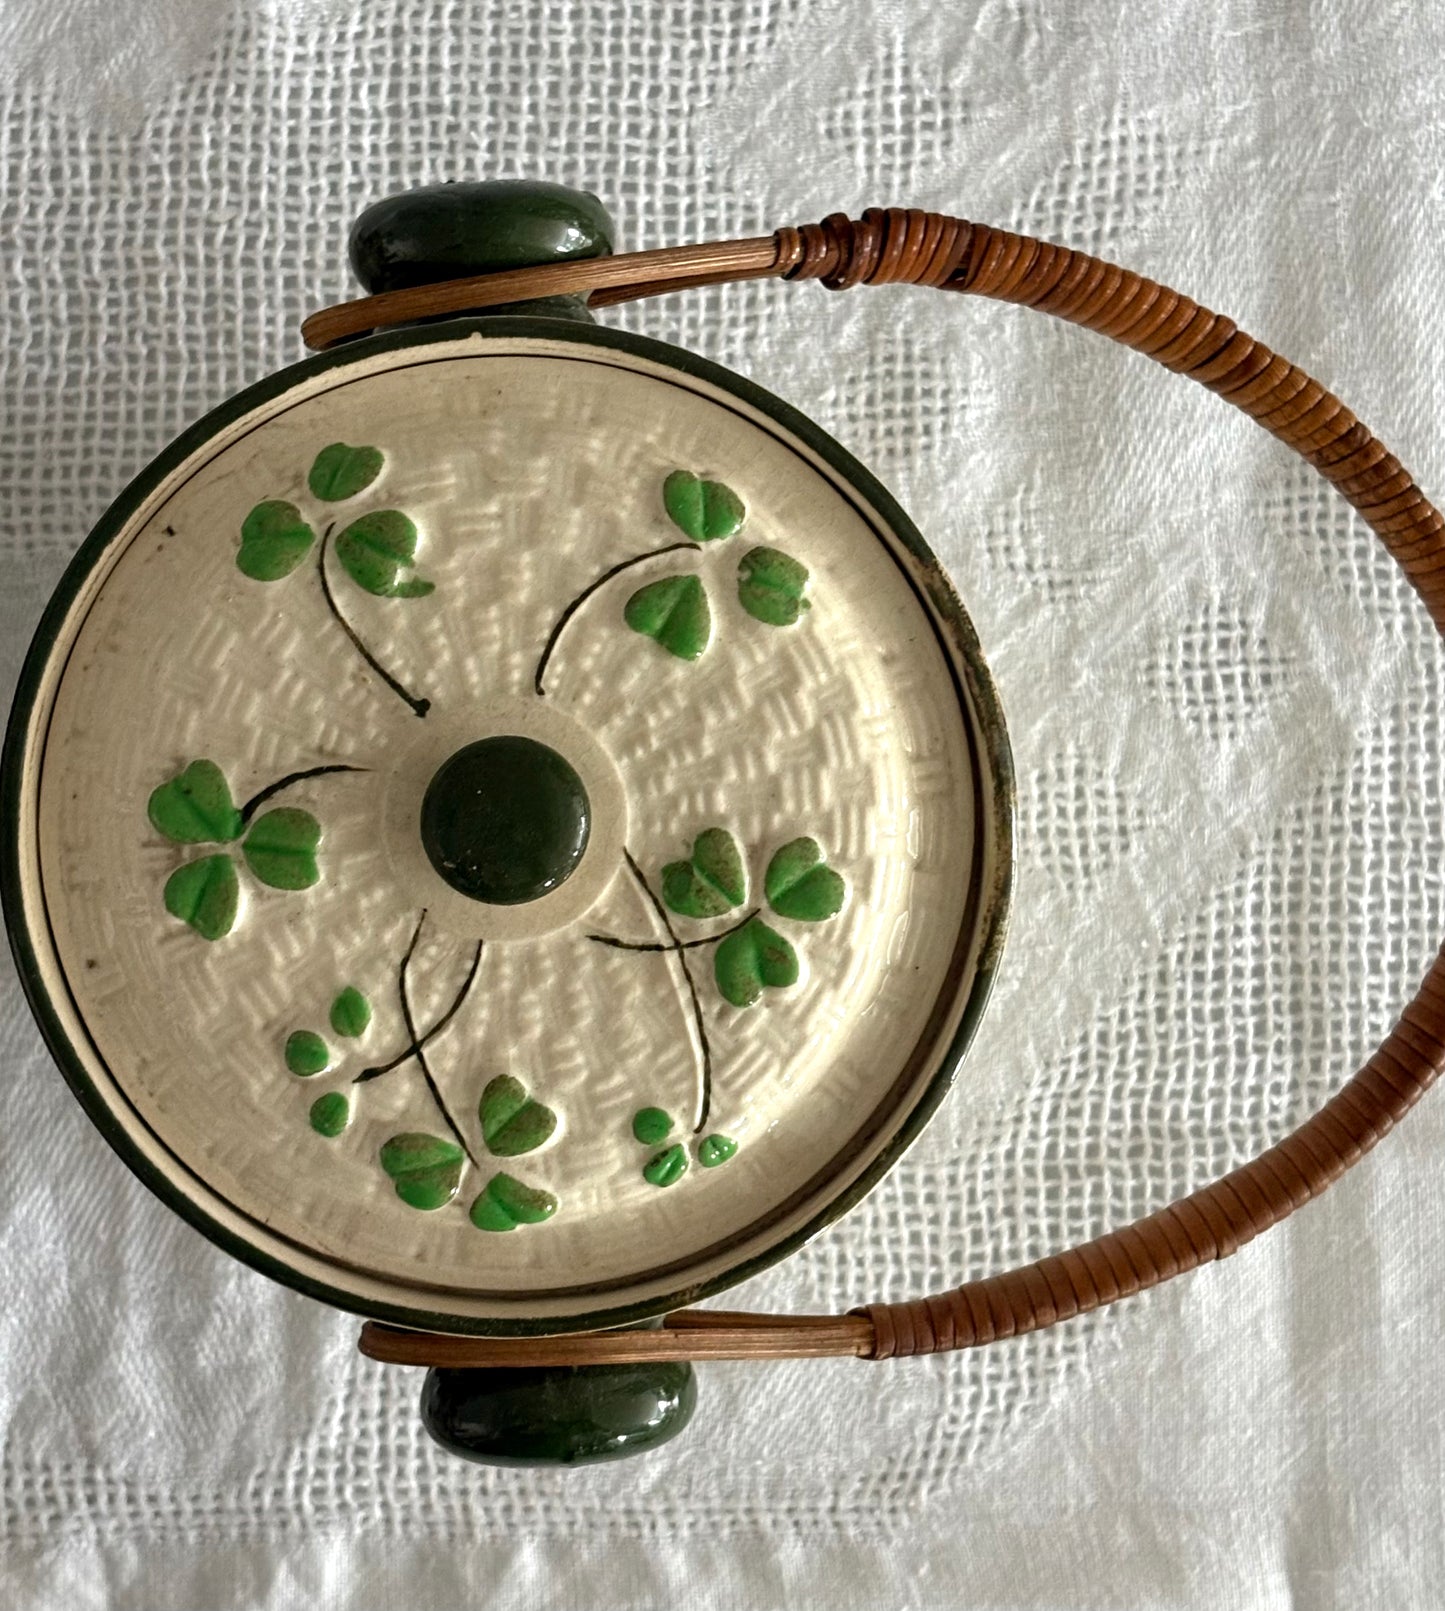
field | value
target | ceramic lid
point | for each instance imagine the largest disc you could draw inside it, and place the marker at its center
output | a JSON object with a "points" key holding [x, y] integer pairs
{"points": [[508, 827]]}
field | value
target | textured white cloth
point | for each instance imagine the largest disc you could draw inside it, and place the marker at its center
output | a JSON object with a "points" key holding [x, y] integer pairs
{"points": [[1226, 713]]}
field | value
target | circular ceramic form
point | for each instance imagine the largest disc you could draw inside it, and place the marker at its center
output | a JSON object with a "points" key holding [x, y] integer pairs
{"points": [[654, 980]]}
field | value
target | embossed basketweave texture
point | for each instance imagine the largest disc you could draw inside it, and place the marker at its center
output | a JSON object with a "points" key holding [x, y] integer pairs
{"points": [[1225, 705], [914, 247]]}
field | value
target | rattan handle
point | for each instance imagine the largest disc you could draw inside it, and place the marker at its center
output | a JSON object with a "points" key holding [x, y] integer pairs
{"points": [[927, 248]]}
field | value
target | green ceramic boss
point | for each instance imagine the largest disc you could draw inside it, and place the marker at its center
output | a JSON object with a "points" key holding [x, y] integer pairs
{"points": [[648, 928]]}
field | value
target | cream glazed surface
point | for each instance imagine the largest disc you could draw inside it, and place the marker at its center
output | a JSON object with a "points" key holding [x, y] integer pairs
{"points": [[651, 1072]]}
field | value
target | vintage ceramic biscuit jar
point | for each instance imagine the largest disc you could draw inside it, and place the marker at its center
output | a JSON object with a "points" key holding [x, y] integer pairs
{"points": [[509, 826], [508, 830]]}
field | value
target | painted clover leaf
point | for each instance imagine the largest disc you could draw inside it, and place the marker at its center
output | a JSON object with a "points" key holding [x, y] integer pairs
{"points": [[274, 540], [752, 959], [425, 1170], [512, 1121], [700, 509], [667, 1167], [206, 894], [715, 1150], [330, 1114], [673, 611], [195, 807], [651, 1125], [800, 884], [281, 848], [340, 472], [771, 585], [350, 1013], [714, 881], [376, 549], [306, 1053], [506, 1202]]}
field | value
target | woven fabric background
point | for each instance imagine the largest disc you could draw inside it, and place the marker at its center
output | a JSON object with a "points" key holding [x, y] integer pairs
{"points": [[1226, 713]]}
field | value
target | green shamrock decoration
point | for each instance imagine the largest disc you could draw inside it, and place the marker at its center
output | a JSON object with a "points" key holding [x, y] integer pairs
{"points": [[800, 885], [513, 1123], [752, 957], [674, 610], [427, 1170], [377, 549], [667, 1167], [374, 549], [306, 1054], [195, 807]]}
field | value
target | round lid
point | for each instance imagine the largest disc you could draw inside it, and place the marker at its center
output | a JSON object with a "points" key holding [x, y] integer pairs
{"points": [[508, 826]]}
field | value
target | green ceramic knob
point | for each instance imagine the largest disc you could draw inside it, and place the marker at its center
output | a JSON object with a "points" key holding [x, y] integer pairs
{"points": [[505, 820], [558, 1416], [450, 231]]}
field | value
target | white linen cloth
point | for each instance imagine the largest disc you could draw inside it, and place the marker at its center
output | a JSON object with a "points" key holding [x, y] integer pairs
{"points": [[1226, 713]]}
